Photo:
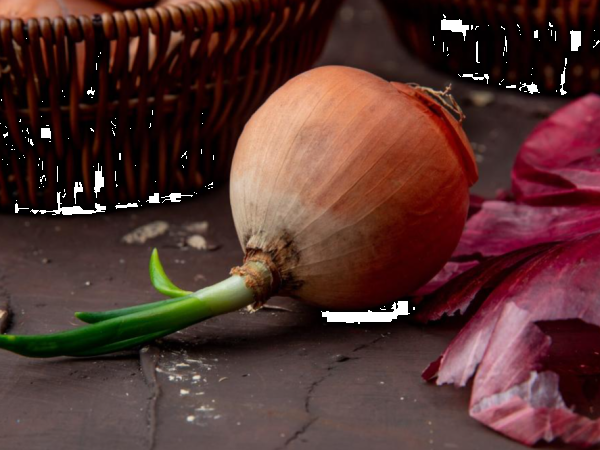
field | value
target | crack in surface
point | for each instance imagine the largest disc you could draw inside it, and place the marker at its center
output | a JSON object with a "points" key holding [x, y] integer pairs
{"points": [[312, 388], [299, 433], [339, 360], [373, 342], [149, 357]]}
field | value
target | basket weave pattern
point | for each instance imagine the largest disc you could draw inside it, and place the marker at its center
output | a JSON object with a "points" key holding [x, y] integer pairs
{"points": [[152, 99], [505, 42]]}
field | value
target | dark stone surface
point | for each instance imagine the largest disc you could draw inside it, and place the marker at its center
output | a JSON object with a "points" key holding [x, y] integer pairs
{"points": [[274, 379]]}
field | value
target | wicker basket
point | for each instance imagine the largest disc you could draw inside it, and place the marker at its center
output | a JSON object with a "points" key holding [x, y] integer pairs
{"points": [[116, 108], [510, 43]]}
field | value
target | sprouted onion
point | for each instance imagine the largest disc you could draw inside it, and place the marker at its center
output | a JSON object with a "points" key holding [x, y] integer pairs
{"points": [[347, 192]]}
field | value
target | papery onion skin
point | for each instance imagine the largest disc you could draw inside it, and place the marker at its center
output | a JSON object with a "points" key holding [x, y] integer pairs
{"points": [[356, 189]]}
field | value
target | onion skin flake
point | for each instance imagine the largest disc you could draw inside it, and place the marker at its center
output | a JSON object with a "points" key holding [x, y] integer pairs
{"points": [[534, 267], [559, 163]]}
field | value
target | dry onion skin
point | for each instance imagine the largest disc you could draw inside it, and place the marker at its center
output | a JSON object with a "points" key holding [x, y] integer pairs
{"points": [[347, 192], [532, 342]]}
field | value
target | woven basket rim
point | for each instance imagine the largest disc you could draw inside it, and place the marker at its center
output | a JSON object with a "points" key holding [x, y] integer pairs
{"points": [[198, 8]]}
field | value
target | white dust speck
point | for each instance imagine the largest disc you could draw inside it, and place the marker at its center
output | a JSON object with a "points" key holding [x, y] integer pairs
{"points": [[184, 392], [149, 231], [196, 241], [197, 227], [481, 99], [199, 362], [190, 419], [205, 408]]}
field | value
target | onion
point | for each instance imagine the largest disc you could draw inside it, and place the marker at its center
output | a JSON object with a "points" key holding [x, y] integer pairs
{"points": [[27, 9], [353, 188], [130, 3], [176, 2], [347, 192], [31, 9]]}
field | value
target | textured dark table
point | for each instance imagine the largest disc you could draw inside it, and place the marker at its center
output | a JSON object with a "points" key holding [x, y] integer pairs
{"points": [[270, 380]]}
